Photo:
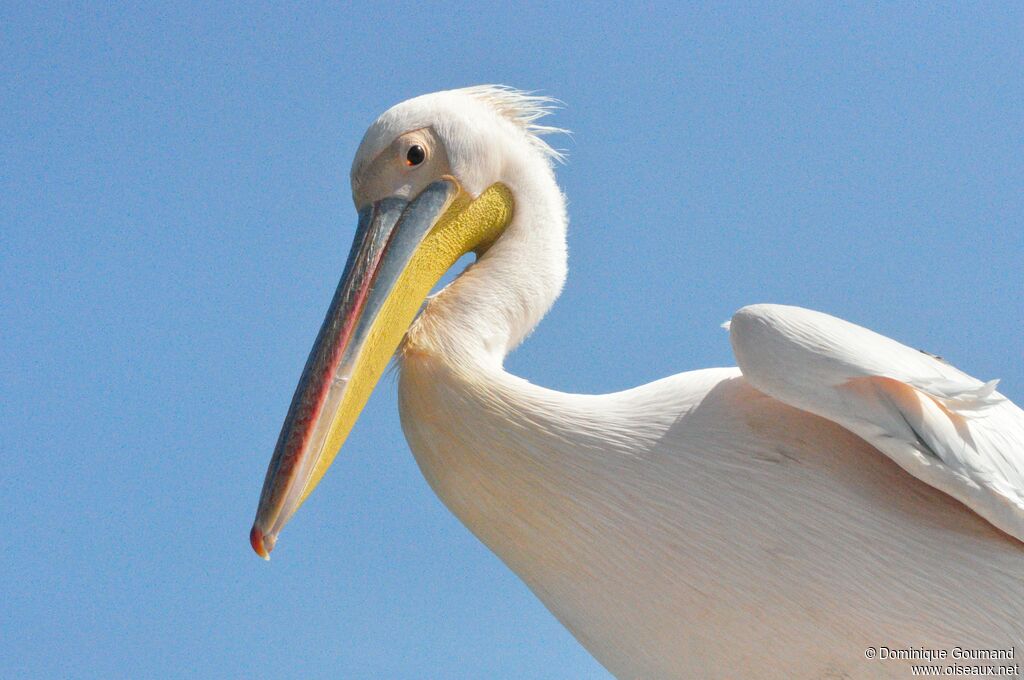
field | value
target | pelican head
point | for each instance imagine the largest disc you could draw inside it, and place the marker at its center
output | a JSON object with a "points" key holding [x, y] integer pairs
{"points": [[431, 182]]}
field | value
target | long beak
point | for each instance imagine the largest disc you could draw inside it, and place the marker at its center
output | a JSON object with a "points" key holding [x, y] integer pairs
{"points": [[401, 249]]}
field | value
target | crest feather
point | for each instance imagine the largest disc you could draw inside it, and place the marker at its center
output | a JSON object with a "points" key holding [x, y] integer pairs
{"points": [[523, 109]]}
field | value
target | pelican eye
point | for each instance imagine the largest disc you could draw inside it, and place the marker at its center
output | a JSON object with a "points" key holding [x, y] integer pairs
{"points": [[415, 155]]}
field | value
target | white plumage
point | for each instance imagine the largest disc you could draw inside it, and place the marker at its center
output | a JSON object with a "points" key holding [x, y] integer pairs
{"points": [[696, 527]]}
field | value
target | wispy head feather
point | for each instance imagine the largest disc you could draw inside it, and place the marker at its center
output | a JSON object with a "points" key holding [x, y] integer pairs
{"points": [[523, 109]]}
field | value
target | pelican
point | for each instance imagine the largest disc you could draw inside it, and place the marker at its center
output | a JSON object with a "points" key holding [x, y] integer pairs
{"points": [[836, 493]]}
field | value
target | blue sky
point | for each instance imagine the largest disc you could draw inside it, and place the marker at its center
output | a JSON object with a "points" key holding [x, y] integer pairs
{"points": [[174, 217]]}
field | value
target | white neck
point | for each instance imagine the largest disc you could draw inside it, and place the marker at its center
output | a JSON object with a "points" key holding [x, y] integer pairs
{"points": [[492, 306]]}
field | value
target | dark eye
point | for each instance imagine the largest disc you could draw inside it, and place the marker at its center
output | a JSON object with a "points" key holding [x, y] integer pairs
{"points": [[415, 155]]}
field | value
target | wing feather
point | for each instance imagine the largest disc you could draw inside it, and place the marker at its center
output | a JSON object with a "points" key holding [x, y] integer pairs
{"points": [[941, 425]]}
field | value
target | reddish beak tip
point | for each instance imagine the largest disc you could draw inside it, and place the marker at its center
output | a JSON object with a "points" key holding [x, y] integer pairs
{"points": [[261, 545]]}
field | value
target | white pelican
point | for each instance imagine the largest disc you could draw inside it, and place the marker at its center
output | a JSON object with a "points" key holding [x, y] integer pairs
{"points": [[836, 492]]}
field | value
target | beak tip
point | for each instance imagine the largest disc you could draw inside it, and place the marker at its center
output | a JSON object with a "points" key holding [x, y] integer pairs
{"points": [[260, 543]]}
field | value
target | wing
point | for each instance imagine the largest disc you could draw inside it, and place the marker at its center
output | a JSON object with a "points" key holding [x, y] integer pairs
{"points": [[941, 425]]}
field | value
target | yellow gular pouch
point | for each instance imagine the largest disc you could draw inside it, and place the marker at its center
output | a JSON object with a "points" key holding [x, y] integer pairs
{"points": [[466, 225]]}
